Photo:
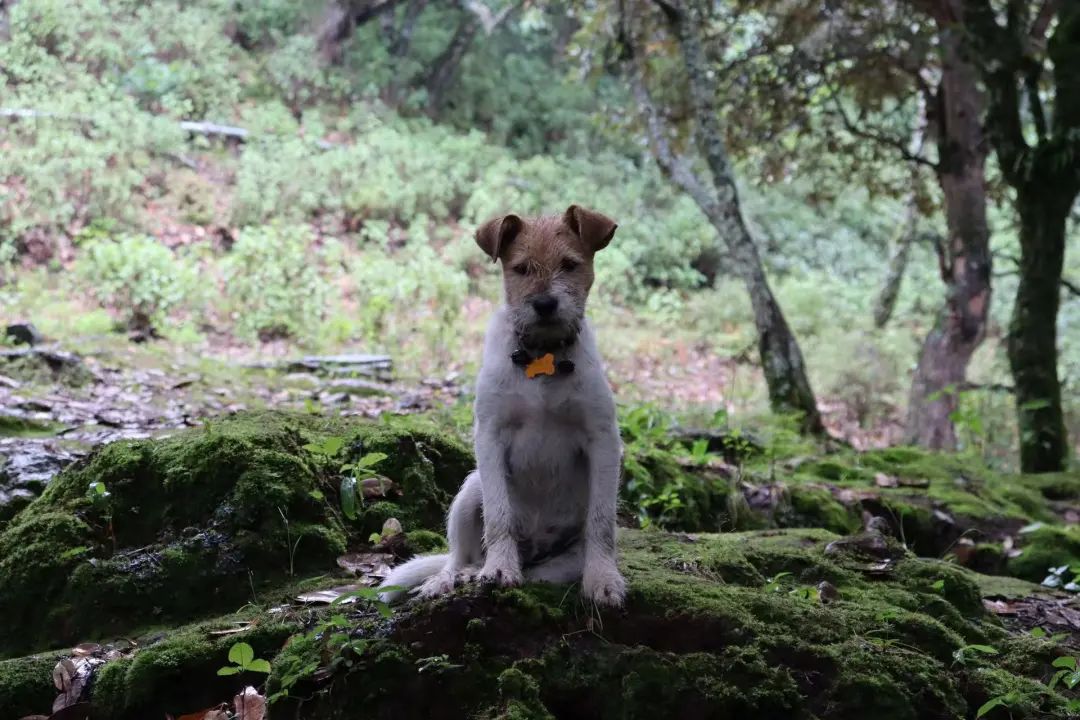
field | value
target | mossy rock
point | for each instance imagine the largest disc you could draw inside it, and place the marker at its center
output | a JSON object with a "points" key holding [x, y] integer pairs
{"points": [[192, 522], [705, 634]]}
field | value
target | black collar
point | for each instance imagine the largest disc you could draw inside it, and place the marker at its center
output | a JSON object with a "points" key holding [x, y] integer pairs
{"points": [[522, 357]]}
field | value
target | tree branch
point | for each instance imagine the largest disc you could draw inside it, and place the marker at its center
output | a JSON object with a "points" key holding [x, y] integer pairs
{"points": [[891, 142], [1001, 58]]}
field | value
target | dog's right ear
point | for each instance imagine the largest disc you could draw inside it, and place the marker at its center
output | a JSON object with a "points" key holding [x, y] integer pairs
{"points": [[494, 235]]}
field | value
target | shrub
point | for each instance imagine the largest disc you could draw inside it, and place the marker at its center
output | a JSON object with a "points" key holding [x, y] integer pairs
{"points": [[413, 296], [137, 278], [273, 284]]}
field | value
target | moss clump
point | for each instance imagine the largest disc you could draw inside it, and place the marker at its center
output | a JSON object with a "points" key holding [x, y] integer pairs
{"points": [[703, 635], [26, 686], [1045, 548], [19, 426], [192, 521]]}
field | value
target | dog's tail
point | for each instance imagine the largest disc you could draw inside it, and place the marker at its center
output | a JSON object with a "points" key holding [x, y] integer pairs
{"points": [[411, 574]]}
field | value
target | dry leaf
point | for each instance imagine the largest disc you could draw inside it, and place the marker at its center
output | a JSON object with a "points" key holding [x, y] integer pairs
{"points": [[240, 627], [249, 705], [367, 565], [84, 649], [70, 678], [885, 481], [377, 487], [325, 597]]}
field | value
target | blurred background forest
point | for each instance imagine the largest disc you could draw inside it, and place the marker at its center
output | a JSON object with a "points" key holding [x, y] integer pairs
{"points": [[191, 188]]}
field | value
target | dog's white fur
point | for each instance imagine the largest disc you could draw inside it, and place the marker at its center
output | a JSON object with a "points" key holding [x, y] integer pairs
{"points": [[541, 505]]}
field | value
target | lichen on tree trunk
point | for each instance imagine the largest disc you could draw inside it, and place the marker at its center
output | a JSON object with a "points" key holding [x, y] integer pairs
{"points": [[781, 358], [965, 257]]}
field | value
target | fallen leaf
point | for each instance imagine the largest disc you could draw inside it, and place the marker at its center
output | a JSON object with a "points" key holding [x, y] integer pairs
{"points": [[325, 597], [84, 649], [249, 705], [885, 481], [240, 627], [377, 487], [367, 564], [1000, 607]]}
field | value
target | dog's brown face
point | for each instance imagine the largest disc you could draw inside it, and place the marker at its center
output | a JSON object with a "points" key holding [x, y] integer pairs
{"points": [[547, 269]]}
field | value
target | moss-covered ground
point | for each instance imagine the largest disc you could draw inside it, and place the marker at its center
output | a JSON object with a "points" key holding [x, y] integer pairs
{"points": [[755, 592]]}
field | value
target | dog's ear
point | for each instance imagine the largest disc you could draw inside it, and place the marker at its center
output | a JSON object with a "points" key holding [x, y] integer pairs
{"points": [[494, 235], [592, 227]]}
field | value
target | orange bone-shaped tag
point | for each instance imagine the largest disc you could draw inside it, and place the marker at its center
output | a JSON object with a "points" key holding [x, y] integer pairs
{"points": [[543, 365]]}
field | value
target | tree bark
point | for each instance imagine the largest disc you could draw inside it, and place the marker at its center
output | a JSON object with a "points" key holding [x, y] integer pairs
{"points": [[445, 67], [1032, 341], [964, 257], [885, 304], [781, 359], [340, 20], [1046, 177]]}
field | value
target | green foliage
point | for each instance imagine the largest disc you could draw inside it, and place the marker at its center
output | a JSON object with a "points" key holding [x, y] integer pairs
{"points": [[242, 657], [272, 283], [138, 278]]}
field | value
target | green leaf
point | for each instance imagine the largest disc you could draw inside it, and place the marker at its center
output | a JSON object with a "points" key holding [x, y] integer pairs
{"points": [[371, 459], [348, 497], [317, 495], [1069, 663], [386, 612], [228, 671], [1072, 680], [988, 706], [1035, 404], [984, 649], [939, 586], [261, 666], [1038, 632], [241, 654]]}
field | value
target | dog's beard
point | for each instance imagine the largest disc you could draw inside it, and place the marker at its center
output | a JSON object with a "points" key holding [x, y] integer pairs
{"points": [[537, 334]]}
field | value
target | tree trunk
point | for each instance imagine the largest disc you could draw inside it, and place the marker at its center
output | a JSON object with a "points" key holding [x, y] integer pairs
{"points": [[1032, 342], [781, 358], [885, 304], [400, 43], [965, 256], [445, 67], [340, 20]]}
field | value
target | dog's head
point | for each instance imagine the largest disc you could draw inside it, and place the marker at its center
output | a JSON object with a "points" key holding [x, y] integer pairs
{"points": [[547, 269]]}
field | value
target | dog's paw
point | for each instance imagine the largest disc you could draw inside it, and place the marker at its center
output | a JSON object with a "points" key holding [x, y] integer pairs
{"points": [[438, 584], [604, 586], [465, 576], [501, 576]]}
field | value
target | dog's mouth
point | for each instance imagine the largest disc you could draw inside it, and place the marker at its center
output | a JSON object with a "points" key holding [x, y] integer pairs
{"points": [[547, 334]]}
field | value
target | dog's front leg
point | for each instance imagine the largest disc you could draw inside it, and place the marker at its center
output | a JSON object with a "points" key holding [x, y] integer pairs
{"points": [[601, 581], [502, 565]]}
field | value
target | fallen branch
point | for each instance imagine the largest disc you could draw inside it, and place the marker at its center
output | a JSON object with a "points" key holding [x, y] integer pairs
{"points": [[207, 129]]}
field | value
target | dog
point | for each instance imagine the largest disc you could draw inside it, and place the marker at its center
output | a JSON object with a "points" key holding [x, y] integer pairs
{"points": [[541, 504]]}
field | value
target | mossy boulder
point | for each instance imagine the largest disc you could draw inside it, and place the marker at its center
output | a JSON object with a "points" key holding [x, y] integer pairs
{"points": [[191, 523], [715, 626]]}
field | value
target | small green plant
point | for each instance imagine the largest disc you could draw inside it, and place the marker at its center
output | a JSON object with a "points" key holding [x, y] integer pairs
{"points": [[938, 586], [1006, 701], [1068, 673], [101, 500], [242, 657], [436, 664], [969, 653], [1039, 634], [337, 647], [773, 584], [353, 474]]}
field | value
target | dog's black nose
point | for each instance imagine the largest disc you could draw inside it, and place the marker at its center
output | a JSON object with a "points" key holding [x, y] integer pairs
{"points": [[545, 305]]}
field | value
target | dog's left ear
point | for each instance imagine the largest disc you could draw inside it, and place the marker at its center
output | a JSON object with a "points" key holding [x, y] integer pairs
{"points": [[592, 227]]}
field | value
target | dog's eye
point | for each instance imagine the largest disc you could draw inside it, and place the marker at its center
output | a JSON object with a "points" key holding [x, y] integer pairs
{"points": [[569, 265], [522, 269]]}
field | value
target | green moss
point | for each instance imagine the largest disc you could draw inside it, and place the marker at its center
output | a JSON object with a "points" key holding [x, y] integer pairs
{"points": [[1043, 549], [194, 520], [176, 672], [19, 426], [817, 507], [419, 542], [26, 686]]}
